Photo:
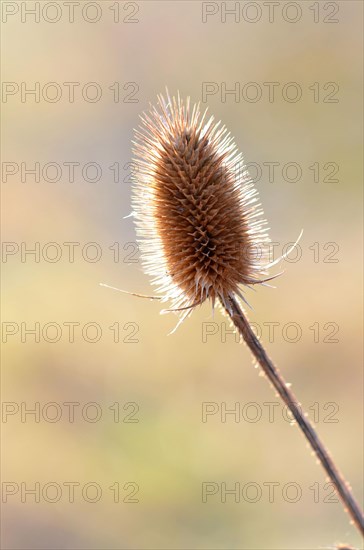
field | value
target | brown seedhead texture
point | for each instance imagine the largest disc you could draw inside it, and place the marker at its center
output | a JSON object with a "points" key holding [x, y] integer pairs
{"points": [[200, 227]]}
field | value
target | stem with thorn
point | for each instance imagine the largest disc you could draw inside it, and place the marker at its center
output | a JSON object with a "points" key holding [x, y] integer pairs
{"points": [[274, 376]]}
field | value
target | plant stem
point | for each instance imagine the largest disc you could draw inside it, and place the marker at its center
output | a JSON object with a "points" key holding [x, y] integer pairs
{"points": [[274, 376]]}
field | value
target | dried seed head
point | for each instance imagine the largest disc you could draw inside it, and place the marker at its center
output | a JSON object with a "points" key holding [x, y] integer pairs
{"points": [[201, 231]]}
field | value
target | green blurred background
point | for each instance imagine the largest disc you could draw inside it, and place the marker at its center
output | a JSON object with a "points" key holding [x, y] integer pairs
{"points": [[170, 452]]}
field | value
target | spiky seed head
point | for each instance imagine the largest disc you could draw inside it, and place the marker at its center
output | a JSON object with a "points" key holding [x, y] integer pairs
{"points": [[200, 228]]}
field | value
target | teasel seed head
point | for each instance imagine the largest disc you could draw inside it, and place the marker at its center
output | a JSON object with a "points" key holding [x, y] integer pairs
{"points": [[201, 231]]}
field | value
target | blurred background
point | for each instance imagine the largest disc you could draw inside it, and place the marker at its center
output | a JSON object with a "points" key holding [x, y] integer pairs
{"points": [[129, 444]]}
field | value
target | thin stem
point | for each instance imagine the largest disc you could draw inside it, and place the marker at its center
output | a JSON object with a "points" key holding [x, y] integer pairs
{"points": [[274, 376]]}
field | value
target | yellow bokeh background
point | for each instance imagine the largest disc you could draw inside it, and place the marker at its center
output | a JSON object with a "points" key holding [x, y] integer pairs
{"points": [[170, 452]]}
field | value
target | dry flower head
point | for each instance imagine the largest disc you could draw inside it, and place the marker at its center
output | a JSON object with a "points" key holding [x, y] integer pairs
{"points": [[201, 230]]}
